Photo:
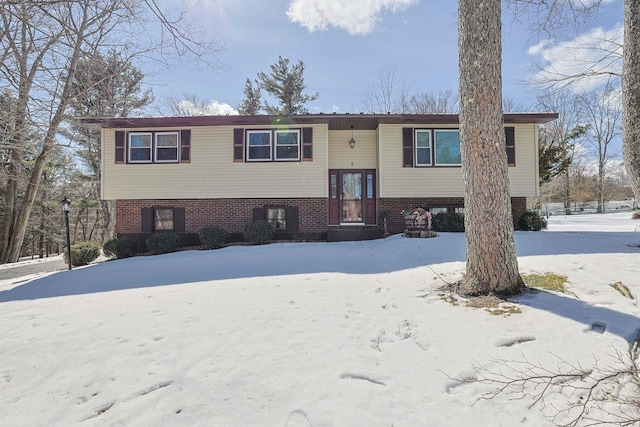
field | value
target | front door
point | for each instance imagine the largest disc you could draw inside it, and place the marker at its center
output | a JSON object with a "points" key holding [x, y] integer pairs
{"points": [[352, 197], [351, 200]]}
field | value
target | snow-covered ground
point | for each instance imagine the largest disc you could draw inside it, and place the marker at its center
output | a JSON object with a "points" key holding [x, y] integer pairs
{"points": [[307, 334]]}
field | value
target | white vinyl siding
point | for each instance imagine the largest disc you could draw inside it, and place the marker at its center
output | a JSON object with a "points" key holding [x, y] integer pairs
{"points": [[212, 172], [362, 156], [398, 181]]}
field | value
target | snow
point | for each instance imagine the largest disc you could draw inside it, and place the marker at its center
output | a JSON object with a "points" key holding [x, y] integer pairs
{"points": [[308, 334]]}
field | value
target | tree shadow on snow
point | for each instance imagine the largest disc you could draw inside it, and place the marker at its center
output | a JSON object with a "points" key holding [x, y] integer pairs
{"points": [[596, 319], [395, 253]]}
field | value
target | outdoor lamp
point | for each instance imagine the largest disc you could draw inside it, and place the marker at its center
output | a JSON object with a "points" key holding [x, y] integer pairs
{"points": [[352, 143], [66, 203]]}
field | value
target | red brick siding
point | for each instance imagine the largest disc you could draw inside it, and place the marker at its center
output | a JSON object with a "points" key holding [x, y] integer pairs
{"points": [[233, 214], [518, 207], [230, 214]]}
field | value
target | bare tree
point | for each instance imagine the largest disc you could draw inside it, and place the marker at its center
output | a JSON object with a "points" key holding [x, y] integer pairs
{"points": [[41, 45], [385, 94], [603, 115], [193, 105], [443, 102], [623, 61], [492, 265], [557, 141]]}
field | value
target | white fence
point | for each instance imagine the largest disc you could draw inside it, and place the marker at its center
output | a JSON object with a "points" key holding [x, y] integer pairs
{"points": [[550, 209]]}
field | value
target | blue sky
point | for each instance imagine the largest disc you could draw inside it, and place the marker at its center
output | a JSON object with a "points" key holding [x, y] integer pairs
{"points": [[345, 44]]}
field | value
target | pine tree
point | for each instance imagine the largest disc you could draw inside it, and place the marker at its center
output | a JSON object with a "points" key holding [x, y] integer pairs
{"points": [[287, 86], [251, 104]]}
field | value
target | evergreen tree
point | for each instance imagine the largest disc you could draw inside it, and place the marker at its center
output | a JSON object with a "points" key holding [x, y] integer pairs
{"points": [[104, 86], [251, 104], [287, 86]]}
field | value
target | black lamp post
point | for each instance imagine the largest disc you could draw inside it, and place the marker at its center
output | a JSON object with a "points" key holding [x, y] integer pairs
{"points": [[65, 207]]}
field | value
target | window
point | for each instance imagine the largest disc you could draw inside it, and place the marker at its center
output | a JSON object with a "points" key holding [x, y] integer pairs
{"points": [[279, 145], [435, 211], [510, 140], [140, 147], [154, 147], [423, 147], [166, 147], [287, 145], [447, 148], [277, 217], [163, 219]]}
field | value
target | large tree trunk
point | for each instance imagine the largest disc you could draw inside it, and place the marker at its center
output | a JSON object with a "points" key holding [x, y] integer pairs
{"points": [[631, 93], [492, 265]]}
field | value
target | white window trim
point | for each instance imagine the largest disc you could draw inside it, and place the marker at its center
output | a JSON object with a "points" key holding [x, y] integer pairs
{"points": [[248, 157], [435, 146], [129, 158], [415, 146], [155, 148], [276, 145]]}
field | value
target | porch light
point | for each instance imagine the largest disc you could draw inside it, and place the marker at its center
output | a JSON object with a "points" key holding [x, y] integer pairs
{"points": [[352, 142]]}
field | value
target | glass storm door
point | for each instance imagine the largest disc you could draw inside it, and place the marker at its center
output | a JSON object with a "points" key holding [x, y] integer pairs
{"points": [[351, 200], [352, 196]]}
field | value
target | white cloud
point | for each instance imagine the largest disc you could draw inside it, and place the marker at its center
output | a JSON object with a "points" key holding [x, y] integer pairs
{"points": [[594, 55], [212, 108], [355, 16]]}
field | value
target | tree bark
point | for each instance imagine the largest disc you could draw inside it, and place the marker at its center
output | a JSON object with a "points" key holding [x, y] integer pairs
{"points": [[631, 93], [492, 265]]}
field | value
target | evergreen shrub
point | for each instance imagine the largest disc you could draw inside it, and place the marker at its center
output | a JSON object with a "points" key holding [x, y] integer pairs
{"points": [[532, 221], [162, 242], [83, 253], [212, 237], [119, 248], [448, 222], [259, 232]]}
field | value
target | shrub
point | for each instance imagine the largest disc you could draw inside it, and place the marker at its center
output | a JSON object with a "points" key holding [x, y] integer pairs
{"points": [[448, 221], [259, 232], [83, 253], [532, 221], [212, 237], [635, 215], [122, 247], [162, 242]]}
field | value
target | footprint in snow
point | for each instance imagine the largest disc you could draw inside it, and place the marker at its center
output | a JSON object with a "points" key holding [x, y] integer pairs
{"points": [[297, 418]]}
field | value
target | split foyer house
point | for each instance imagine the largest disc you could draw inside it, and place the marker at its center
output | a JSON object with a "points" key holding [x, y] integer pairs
{"points": [[333, 176]]}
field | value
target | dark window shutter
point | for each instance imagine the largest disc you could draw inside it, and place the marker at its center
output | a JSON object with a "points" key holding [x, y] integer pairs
{"points": [[185, 146], [407, 147], [510, 139], [307, 144], [238, 145], [147, 220], [120, 146], [293, 224], [178, 220], [259, 214]]}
